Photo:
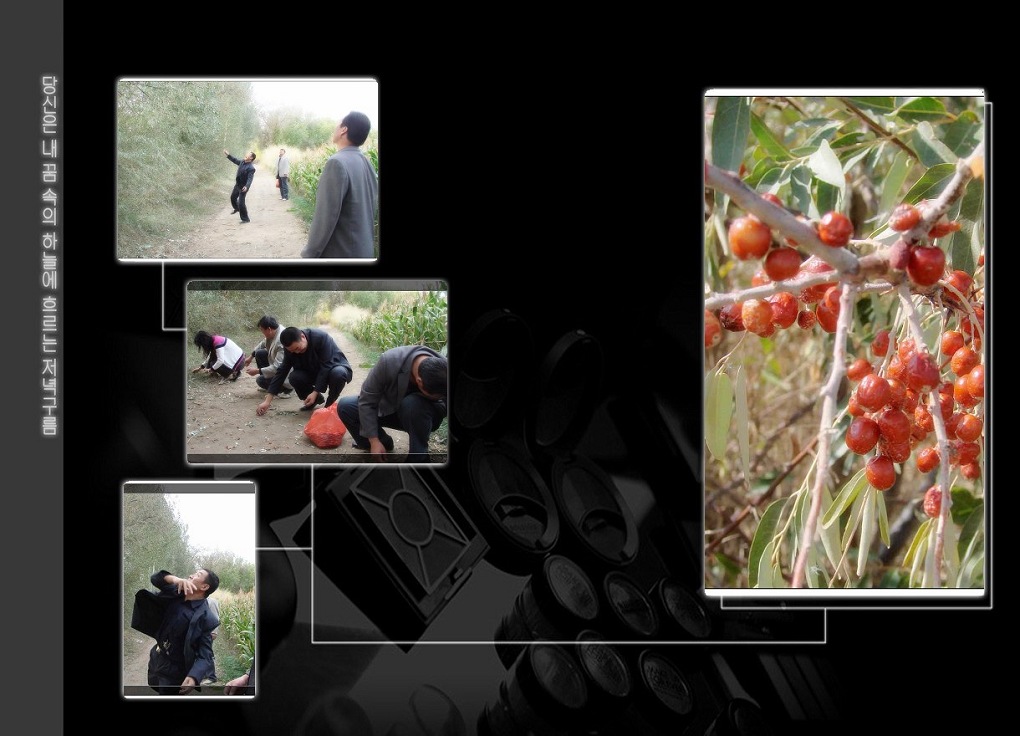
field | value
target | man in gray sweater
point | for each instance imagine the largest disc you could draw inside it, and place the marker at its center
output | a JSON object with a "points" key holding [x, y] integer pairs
{"points": [[268, 355], [405, 390]]}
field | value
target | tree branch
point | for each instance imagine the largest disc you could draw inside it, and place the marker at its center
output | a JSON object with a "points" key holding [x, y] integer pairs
{"points": [[940, 432], [779, 218], [829, 393], [875, 127]]}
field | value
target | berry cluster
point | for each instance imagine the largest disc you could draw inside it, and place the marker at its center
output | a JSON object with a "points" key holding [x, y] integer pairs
{"points": [[889, 404]]}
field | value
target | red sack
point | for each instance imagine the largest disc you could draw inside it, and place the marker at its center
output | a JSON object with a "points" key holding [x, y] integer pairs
{"points": [[277, 183], [325, 429]]}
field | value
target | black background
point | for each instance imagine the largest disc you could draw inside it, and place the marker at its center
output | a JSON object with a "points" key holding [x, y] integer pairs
{"points": [[556, 179]]}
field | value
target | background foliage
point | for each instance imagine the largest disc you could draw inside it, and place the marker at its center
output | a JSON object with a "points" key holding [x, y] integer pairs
{"points": [[170, 162]]}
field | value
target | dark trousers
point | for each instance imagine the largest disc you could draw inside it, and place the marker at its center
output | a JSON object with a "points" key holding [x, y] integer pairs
{"points": [[284, 189], [262, 360], [237, 202], [304, 382], [164, 676], [416, 415]]}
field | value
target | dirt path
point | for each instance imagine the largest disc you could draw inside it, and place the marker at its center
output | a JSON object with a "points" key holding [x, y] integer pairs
{"points": [[274, 231], [222, 425]]}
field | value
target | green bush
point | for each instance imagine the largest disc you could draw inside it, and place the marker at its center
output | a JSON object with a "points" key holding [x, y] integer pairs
{"points": [[423, 321]]}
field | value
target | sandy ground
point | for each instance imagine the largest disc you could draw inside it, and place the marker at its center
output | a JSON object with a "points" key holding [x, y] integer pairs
{"points": [[274, 231]]}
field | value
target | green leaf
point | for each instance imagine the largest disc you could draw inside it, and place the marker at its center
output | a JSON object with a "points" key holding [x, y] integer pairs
{"points": [[743, 426], [851, 161], [768, 141], [883, 520], [869, 514], [929, 185], [931, 573], [730, 132], [916, 542], [965, 503], [718, 411], [845, 497], [758, 172], [800, 191], [951, 551], [766, 577], [854, 520], [963, 134], [764, 537], [972, 573], [826, 166], [850, 139], [929, 149], [893, 182], [922, 108], [971, 528], [830, 535], [881, 105], [827, 197], [959, 245]]}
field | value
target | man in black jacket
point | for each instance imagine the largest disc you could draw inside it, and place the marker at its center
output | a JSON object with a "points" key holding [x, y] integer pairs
{"points": [[314, 363], [181, 621], [242, 183]]}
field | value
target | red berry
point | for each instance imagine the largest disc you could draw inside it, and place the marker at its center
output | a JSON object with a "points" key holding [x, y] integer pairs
{"points": [[782, 263], [961, 453], [899, 255], [893, 425], [917, 433], [962, 394], [926, 265], [897, 368], [880, 344], [835, 229], [812, 266], [854, 407], [951, 342], [928, 459], [905, 349], [951, 421], [831, 298], [975, 381], [922, 372], [898, 452], [947, 401], [964, 360], [858, 369], [968, 428], [910, 398], [749, 238], [730, 317], [770, 197], [806, 319], [943, 227], [862, 435], [967, 325], [970, 471], [827, 317], [904, 217], [873, 392], [760, 278], [757, 316], [933, 501], [713, 330], [897, 393], [924, 419], [881, 473], [784, 309], [961, 281]]}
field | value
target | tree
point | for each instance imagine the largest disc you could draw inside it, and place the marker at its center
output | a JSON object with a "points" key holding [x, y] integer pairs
{"points": [[878, 338], [154, 539]]}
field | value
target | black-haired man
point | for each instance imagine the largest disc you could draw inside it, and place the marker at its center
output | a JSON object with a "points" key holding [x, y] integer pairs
{"points": [[344, 222], [405, 390], [268, 355], [242, 183], [314, 363], [182, 622]]}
